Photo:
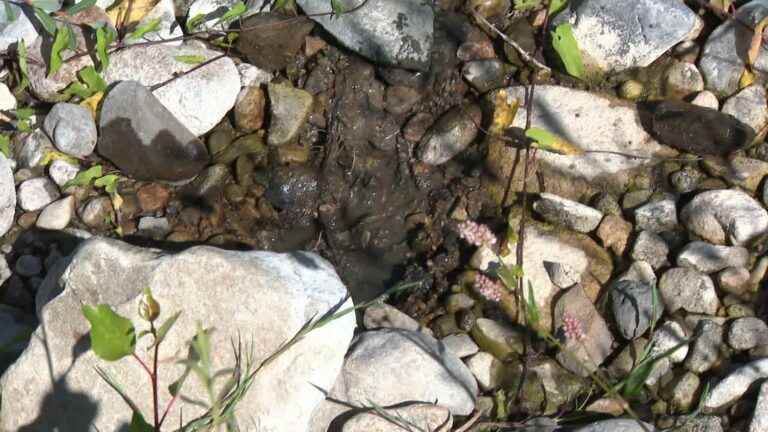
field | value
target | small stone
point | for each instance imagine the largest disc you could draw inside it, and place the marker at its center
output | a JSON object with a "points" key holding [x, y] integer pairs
{"points": [[458, 302], [706, 99], [735, 384], [709, 258], [97, 213], [61, 171], [651, 248], [688, 289], [28, 265], [7, 196], [289, 109], [562, 275], [155, 227], [686, 180], [252, 76], [153, 197], [27, 220], [739, 171], [271, 42], [759, 422], [733, 280], [450, 134], [614, 233], [608, 204], [634, 199], [571, 214], [633, 308], [485, 75], [386, 316], [36, 193], [7, 99], [682, 391], [657, 216], [682, 79], [56, 216], [72, 129], [746, 333], [721, 216], [706, 348], [631, 90], [749, 106], [667, 336], [249, 109], [460, 344], [400, 99], [417, 126], [487, 370], [499, 339], [617, 425], [34, 148]]}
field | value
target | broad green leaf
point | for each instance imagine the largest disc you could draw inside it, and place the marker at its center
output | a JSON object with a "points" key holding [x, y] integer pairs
{"points": [[510, 275], [92, 79], [195, 21], [23, 68], [550, 142], [5, 145], [78, 89], [112, 336], [79, 7], [105, 35], [234, 12], [190, 58], [636, 378], [138, 424], [532, 309], [566, 47], [165, 327], [59, 43], [149, 27], [108, 182], [84, 178], [24, 113], [47, 5], [46, 21]]}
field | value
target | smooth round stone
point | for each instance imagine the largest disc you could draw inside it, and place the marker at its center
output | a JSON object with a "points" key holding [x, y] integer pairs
{"points": [[61, 171], [682, 79], [688, 289], [28, 265], [726, 215], [36, 193], [746, 333], [72, 129], [56, 216]]}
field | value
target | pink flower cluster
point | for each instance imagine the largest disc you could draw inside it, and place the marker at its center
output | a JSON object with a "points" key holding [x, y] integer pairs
{"points": [[572, 327], [476, 234], [489, 288]]}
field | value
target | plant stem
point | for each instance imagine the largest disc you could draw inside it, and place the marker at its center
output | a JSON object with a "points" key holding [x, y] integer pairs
{"points": [[141, 362], [155, 402]]}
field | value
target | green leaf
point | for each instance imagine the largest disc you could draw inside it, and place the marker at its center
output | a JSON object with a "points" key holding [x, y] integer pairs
{"points": [[79, 7], [5, 145], [556, 6], [163, 330], [550, 142], [46, 21], [105, 35], [338, 7], [202, 346], [532, 309], [138, 424], [233, 13], [566, 47], [526, 5], [509, 275], [59, 43], [190, 58], [92, 79], [77, 89], [149, 27], [47, 5], [84, 178], [23, 67], [108, 182], [112, 336], [24, 113], [194, 22], [636, 378]]}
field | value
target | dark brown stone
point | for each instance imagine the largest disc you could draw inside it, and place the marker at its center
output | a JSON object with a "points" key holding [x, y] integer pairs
{"points": [[271, 41]]}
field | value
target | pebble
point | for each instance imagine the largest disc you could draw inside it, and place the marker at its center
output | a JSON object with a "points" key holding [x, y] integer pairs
{"points": [[749, 106], [665, 337], [682, 79], [34, 148], [7, 99], [759, 422], [487, 370], [153, 197], [28, 266], [252, 76], [709, 258], [249, 109], [155, 227], [7, 196], [608, 204], [401, 99], [461, 344], [571, 214], [687, 289], [706, 99], [739, 171], [61, 171], [736, 383], [706, 348], [682, 392], [450, 134], [746, 333], [485, 75], [72, 129], [614, 233], [651, 248], [289, 109], [272, 42], [499, 339], [686, 180], [36, 193], [733, 280], [633, 308], [56, 216], [725, 215], [657, 216], [458, 302], [385, 316], [97, 213]]}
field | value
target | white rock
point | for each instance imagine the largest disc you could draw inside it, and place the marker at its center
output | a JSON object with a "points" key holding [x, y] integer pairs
{"points": [[34, 147], [72, 129], [7, 99], [36, 193], [657, 216], [709, 258], [706, 99], [156, 227], [735, 384], [749, 106], [746, 333], [460, 344], [571, 214], [168, 27], [20, 28], [61, 171], [56, 216], [666, 337], [721, 216], [617, 425], [683, 79], [487, 370], [383, 315], [250, 75], [759, 421], [7, 196], [687, 289]]}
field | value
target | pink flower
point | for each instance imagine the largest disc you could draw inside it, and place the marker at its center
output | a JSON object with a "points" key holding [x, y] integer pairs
{"points": [[572, 327], [489, 288], [476, 234]]}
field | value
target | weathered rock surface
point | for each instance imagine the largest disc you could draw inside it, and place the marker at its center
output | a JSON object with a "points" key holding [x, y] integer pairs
{"points": [[736, 383], [72, 129], [725, 216], [571, 214], [7, 196]]}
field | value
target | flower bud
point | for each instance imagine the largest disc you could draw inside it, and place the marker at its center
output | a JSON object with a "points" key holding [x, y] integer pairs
{"points": [[149, 308]]}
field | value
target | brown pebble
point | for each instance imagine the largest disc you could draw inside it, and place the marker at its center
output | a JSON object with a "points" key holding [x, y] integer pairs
{"points": [[153, 197]]}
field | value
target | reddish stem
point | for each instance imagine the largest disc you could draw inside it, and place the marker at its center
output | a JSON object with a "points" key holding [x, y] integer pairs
{"points": [[155, 401], [141, 362]]}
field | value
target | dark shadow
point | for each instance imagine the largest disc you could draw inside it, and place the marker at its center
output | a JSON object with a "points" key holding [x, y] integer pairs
{"points": [[64, 410]]}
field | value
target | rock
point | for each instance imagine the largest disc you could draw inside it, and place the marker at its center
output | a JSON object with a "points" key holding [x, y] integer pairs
{"points": [[34, 147], [155, 227], [485, 75], [631, 90], [401, 99], [397, 33], [733, 280], [28, 266], [98, 213], [636, 198], [614, 233], [611, 40], [7, 99], [5, 270], [759, 420], [272, 41], [249, 109], [651, 248], [458, 302], [460, 344], [657, 216], [682, 79], [749, 106], [688, 128], [11, 31], [617, 425], [687, 289], [746, 333], [38, 55], [708, 258], [721, 216], [213, 287], [198, 100], [289, 109], [213, 10], [487, 370], [36, 193], [499, 339], [251, 76], [706, 99], [686, 180], [61, 171], [608, 204], [72, 129], [562, 275], [7, 196], [153, 197], [736, 383], [450, 134], [706, 348], [164, 13], [682, 392], [633, 308], [667, 336], [417, 126], [722, 60], [738, 171], [583, 355], [571, 214], [56, 216], [700, 423], [382, 315], [144, 139], [424, 416]]}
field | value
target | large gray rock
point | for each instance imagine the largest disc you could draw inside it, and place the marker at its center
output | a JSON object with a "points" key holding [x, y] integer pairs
{"points": [[426, 417], [199, 100], [572, 214], [261, 297], [709, 258], [736, 383], [614, 35], [72, 129], [749, 106], [723, 56], [391, 32], [144, 139], [7, 196], [289, 108], [759, 420], [20, 28], [725, 215]]}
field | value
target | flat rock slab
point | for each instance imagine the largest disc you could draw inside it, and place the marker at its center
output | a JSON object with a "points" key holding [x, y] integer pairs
{"points": [[391, 32], [144, 139], [264, 298], [725, 216], [733, 386]]}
